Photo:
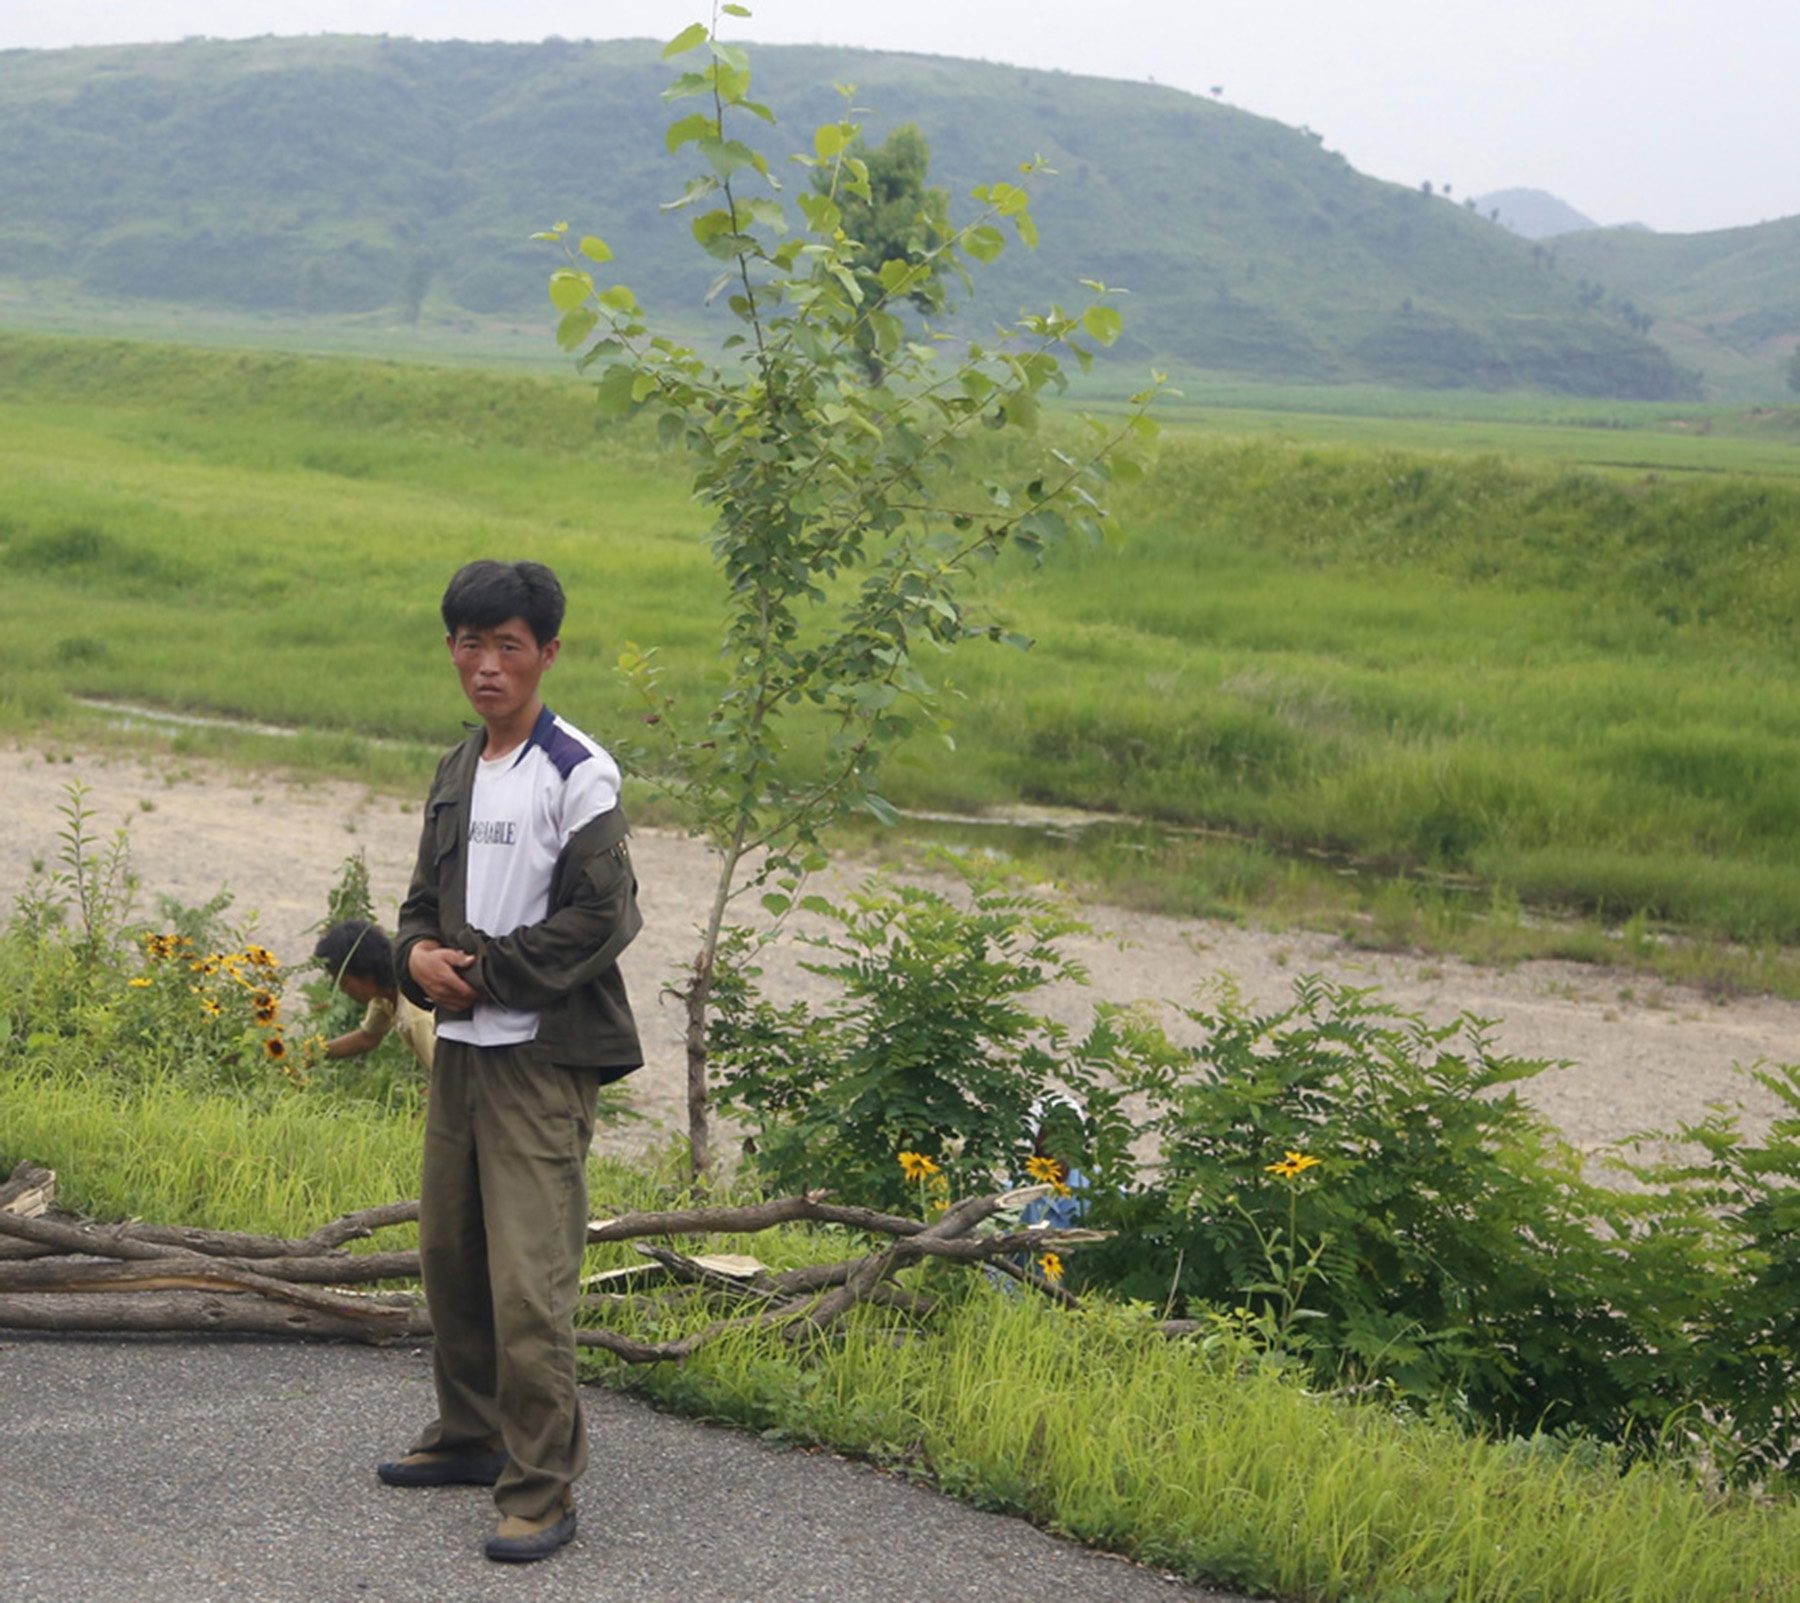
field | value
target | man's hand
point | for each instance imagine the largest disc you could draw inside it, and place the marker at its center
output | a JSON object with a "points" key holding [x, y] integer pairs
{"points": [[438, 969]]}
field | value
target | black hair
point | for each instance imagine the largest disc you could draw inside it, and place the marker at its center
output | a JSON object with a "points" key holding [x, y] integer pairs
{"points": [[359, 949], [483, 595]]}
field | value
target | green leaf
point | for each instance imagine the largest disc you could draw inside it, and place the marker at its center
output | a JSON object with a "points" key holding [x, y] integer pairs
{"points": [[613, 392], [776, 903], [618, 299], [568, 289], [984, 242], [576, 326], [695, 126], [696, 33], [726, 156], [882, 808], [1103, 323], [829, 139], [595, 248], [735, 11], [699, 189]]}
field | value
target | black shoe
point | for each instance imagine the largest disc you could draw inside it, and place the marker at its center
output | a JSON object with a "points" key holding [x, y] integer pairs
{"points": [[525, 1541], [443, 1469]]}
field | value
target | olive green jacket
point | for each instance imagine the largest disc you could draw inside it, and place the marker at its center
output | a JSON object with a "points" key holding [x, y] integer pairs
{"points": [[567, 967]]}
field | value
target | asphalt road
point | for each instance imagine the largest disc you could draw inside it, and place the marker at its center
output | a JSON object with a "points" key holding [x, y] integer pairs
{"points": [[230, 1471]]}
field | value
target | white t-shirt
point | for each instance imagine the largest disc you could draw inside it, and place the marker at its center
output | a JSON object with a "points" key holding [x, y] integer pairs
{"points": [[523, 808]]}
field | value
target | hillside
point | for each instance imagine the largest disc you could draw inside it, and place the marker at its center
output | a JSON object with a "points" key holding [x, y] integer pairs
{"points": [[1727, 301], [1532, 213], [316, 175]]}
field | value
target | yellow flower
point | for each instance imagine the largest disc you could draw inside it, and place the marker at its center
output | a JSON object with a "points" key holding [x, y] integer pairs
{"points": [[1052, 1265], [261, 956], [140, 983], [1292, 1163], [210, 1008], [1045, 1169], [275, 1049], [916, 1166]]}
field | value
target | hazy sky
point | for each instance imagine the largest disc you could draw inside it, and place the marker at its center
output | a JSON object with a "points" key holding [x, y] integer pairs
{"points": [[1683, 114]]}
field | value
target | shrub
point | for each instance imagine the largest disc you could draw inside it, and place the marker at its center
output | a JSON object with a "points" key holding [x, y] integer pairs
{"points": [[926, 1044]]}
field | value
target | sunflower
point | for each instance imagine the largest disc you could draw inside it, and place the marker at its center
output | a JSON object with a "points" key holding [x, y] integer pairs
{"points": [[275, 1049], [140, 983], [1292, 1163], [210, 1008], [1052, 1266], [916, 1166], [261, 957]]}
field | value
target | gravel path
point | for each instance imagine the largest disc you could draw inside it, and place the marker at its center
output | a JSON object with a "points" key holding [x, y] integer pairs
{"points": [[1639, 1055]]}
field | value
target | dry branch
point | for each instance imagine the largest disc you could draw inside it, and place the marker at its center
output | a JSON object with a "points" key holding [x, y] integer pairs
{"points": [[57, 1274]]}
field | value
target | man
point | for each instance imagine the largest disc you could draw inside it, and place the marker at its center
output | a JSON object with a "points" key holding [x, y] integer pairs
{"points": [[522, 900]]}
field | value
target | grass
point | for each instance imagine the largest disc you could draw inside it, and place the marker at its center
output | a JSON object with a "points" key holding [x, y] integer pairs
{"points": [[1190, 1456], [157, 1150], [1097, 1428], [1548, 678]]}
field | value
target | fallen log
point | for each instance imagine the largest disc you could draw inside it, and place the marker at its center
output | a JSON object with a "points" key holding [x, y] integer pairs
{"points": [[145, 1277], [196, 1312]]}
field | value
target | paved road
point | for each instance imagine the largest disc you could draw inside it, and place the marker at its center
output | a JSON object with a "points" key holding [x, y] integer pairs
{"points": [[225, 1471]]}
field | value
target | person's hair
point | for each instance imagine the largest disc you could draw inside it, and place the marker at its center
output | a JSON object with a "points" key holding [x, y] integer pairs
{"points": [[483, 595], [359, 949]]}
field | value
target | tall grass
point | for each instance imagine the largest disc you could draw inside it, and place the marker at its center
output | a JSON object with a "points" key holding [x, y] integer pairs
{"points": [[1573, 687], [157, 1150], [1097, 1428]]}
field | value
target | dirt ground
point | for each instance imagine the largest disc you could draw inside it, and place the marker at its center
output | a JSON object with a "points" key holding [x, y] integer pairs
{"points": [[1638, 1055]]}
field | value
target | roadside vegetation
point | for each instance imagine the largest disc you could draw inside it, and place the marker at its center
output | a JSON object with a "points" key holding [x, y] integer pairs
{"points": [[1402, 1374], [1531, 706]]}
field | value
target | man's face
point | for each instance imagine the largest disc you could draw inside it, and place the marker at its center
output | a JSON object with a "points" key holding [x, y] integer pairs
{"points": [[500, 667]]}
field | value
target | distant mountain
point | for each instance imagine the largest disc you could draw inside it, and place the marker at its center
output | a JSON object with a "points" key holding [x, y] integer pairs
{"points": [[340, 173], [1532, 213], [1728, 301]]}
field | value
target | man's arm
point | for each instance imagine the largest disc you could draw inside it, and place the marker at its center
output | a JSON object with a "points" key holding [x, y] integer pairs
{"points": [[425, 967], [581, 939]]}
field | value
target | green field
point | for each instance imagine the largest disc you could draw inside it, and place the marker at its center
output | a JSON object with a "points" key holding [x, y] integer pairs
{"points": [[1547, 648]]}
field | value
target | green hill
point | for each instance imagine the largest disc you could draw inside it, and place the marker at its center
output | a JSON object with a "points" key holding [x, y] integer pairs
{"points": [[1726, 302], [316, 175]]}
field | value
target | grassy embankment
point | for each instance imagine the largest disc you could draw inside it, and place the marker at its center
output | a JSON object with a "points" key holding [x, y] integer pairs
{"points": [[1545, 662], [1194, 1457]]}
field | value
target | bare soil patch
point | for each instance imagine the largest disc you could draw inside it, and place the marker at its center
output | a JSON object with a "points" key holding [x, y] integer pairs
{"points": [[1638, 1055]]}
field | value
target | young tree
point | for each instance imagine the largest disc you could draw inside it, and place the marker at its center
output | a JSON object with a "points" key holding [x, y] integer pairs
{"points": [[901, 219], [847, 516]]}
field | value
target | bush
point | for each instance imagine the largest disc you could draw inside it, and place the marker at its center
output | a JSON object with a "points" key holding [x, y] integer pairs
{"points": [[1361, 1192], [926, 1045], [1373, 1192]]}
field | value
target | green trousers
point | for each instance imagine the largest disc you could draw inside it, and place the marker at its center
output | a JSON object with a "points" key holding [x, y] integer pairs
{"points": [[502, 1224]]}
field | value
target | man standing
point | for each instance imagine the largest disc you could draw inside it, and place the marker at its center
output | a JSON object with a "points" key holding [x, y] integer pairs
{"points": [[522, 900]]}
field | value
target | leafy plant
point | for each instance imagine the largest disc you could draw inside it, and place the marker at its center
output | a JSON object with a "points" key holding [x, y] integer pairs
{"points": [[92, 879], [1443, 1239], [926, 1044], [1739, 1350], [847, 515]]}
